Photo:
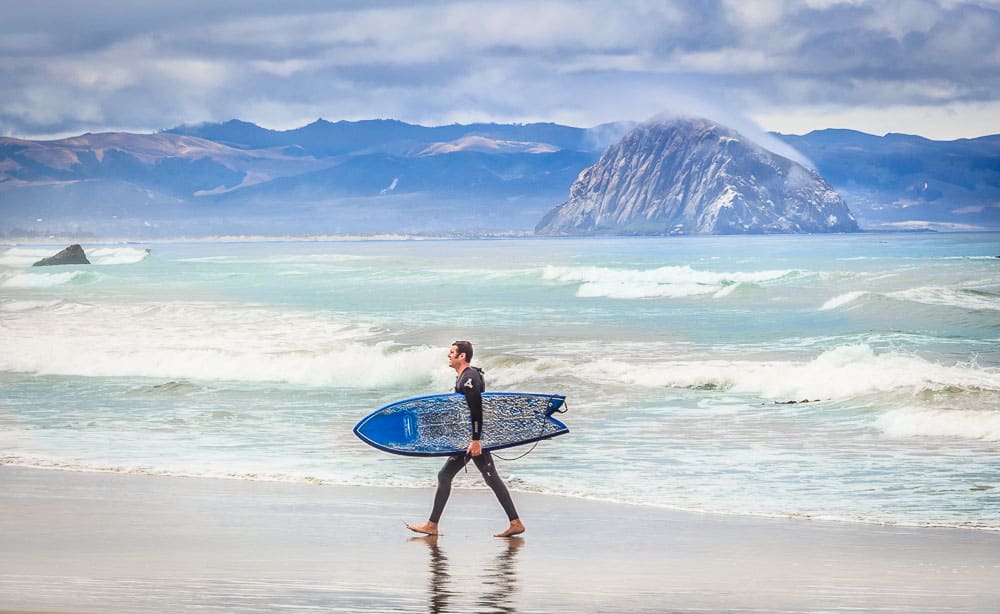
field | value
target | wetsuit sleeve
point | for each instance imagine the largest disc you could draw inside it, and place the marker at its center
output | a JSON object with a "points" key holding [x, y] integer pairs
{"points": [[471, 385], [475, 401]]}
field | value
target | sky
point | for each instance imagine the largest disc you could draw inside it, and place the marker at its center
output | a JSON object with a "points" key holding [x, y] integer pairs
{"points": [[927, 67]]}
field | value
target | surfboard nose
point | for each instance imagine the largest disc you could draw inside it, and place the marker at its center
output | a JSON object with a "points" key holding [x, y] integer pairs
{"points": [[396, 427]]}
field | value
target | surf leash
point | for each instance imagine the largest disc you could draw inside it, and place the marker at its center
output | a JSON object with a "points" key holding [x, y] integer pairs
{"points": [[562, 410]]}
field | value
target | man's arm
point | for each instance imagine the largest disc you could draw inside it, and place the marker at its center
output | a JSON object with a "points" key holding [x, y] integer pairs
{"points": [[472, 388], [475, 400]]}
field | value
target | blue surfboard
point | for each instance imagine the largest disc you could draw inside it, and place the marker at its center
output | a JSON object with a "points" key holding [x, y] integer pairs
{"points": [[440, 424]]}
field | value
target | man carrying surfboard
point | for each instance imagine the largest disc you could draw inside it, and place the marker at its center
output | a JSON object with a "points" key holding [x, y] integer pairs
{"points": [[470, 383]]}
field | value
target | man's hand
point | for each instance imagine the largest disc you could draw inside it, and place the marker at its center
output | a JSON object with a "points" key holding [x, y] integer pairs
{"points": [[475, 448]]}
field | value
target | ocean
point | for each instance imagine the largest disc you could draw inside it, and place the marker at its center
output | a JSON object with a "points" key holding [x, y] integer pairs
{"points": [[851, 378]]}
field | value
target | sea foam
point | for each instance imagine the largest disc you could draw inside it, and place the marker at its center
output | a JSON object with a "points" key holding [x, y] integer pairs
{"points": [[923, 422]]}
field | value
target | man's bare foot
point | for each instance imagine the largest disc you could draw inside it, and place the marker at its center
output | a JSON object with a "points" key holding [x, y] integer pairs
{"points": [[428, 528], [516, 528]]}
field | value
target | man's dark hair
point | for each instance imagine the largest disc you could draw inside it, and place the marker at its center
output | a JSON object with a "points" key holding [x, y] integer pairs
{"points": [[464, 347]]}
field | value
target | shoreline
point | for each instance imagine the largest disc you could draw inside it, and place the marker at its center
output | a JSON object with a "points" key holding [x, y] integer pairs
{"points": [[664, 508], [104, 542]]}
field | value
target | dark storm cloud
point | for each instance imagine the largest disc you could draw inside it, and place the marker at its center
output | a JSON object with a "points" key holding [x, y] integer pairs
{"points": [[72, 67]]}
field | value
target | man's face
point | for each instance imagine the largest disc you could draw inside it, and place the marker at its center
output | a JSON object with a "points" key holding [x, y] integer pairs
{"points": [[453, 357]]}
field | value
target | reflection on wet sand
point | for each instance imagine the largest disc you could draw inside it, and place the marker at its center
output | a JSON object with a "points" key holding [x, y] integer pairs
{"points": [[498, 579], [501, 579], [439, 592]]}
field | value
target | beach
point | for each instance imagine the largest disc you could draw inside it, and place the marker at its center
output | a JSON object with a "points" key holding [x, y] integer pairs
{"points": [[756, 424], [104, 542]]}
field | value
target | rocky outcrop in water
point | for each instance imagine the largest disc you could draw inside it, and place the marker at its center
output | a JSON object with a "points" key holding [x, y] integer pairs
{"points": [[73, 254], [694, 176]]}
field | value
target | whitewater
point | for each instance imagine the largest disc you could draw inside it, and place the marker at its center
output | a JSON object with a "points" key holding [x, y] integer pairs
{"points": [[850, 378]]}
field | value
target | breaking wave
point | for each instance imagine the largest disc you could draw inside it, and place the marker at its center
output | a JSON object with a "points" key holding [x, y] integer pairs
{"points": [[20, 257], [49, 280], [841, 373], [23, 257], [963, 298], [662, 282], [117, 255], [207, 341], [842, 300]]}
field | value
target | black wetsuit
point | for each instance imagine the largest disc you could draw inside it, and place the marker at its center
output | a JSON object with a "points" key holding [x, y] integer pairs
{"points": [[470, 383]]}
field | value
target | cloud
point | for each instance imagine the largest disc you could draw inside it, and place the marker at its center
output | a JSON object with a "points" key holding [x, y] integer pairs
{"points": [[113, 64]]}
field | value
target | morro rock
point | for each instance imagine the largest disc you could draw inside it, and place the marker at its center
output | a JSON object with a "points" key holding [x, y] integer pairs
{"points": [[694, 176], [73, 254]]}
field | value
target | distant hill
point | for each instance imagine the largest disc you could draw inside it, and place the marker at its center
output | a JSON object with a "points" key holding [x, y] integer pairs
{"points": [[236, 177], [904, 181], [694, 176], [389, 176]]}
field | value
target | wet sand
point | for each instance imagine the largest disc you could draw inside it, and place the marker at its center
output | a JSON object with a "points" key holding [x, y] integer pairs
{"points": [[86, 542]]}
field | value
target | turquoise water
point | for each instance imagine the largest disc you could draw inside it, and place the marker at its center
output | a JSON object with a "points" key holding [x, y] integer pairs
{"points": [[680, 358]]}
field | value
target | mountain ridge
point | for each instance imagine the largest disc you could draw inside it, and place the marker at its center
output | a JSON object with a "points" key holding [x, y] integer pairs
{"points": [[366, 177]]}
